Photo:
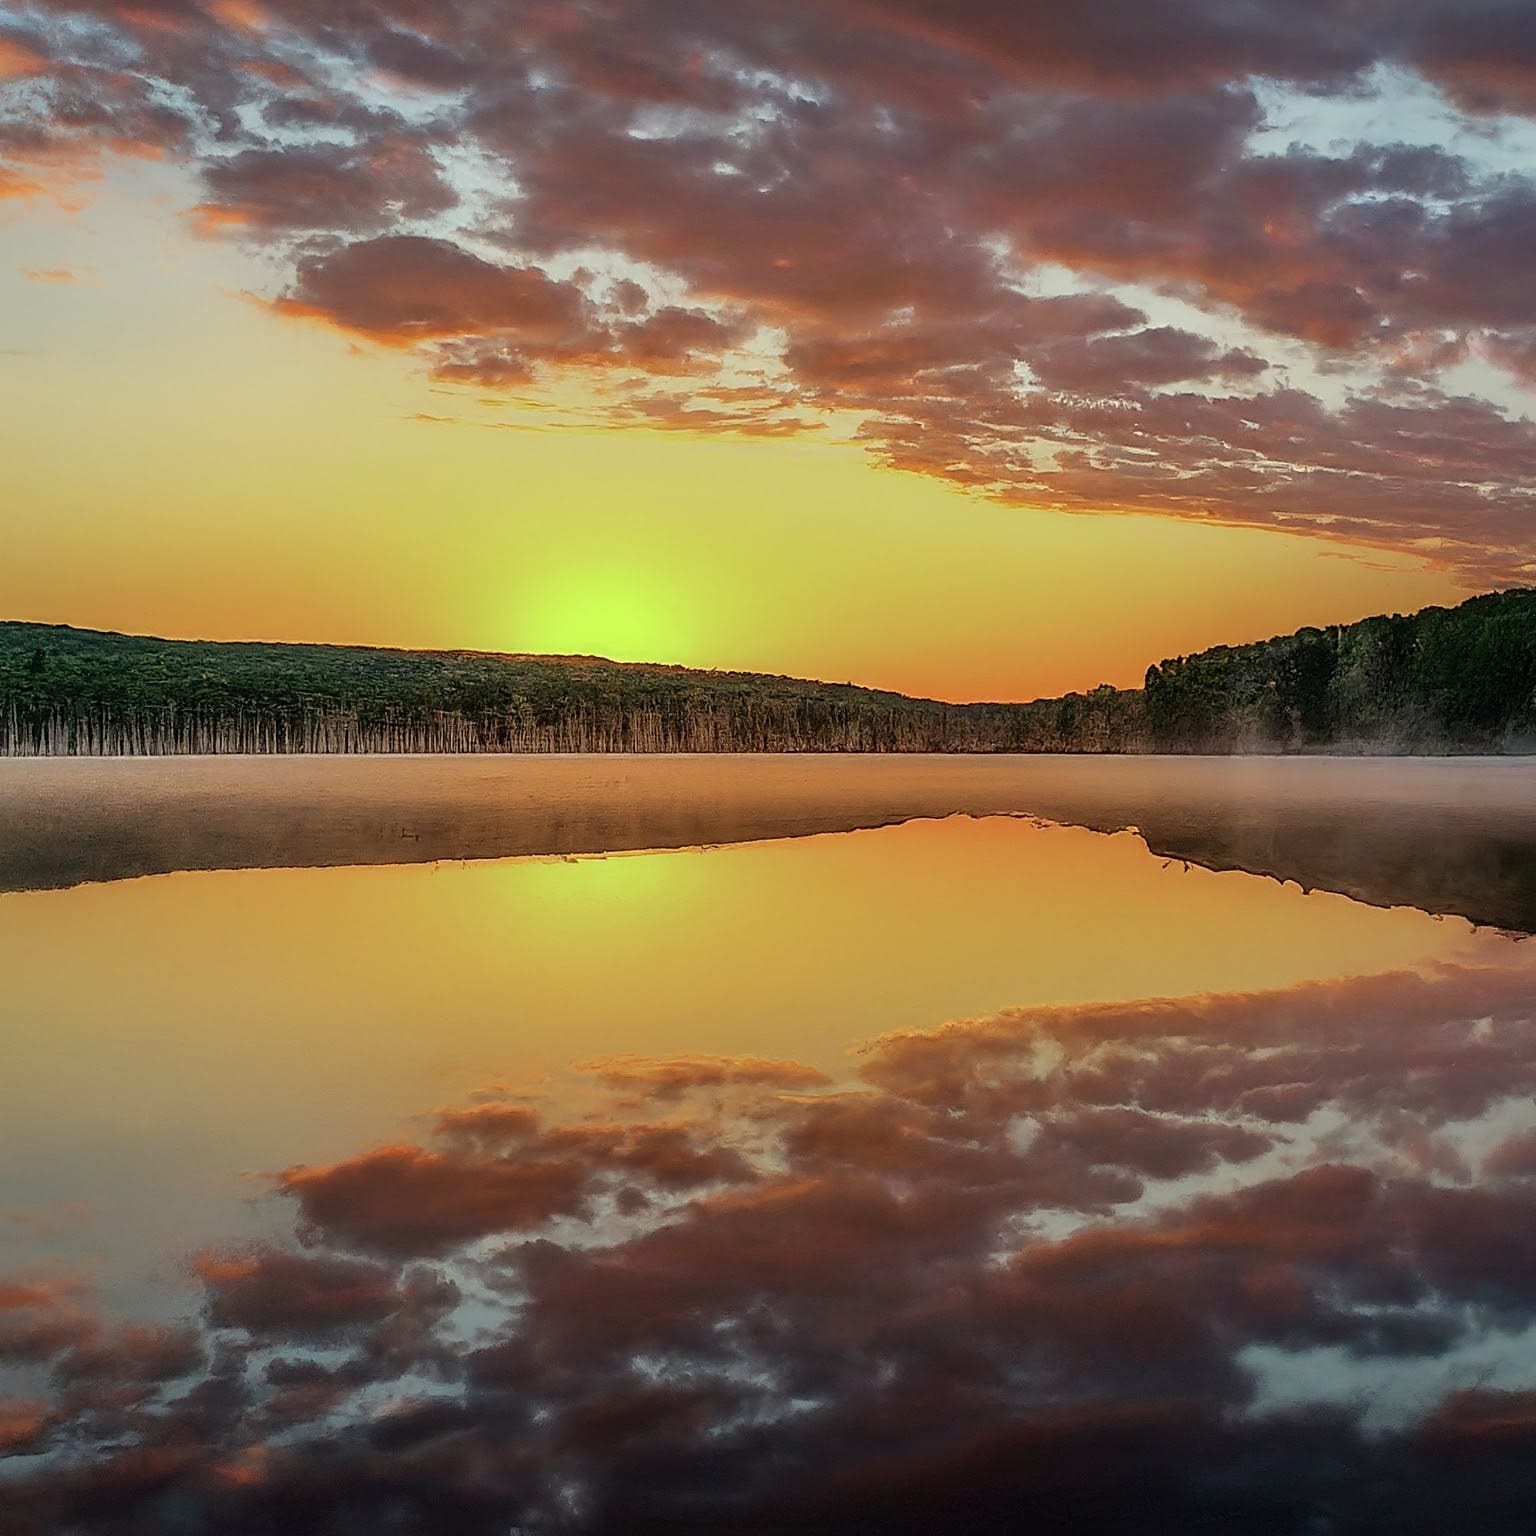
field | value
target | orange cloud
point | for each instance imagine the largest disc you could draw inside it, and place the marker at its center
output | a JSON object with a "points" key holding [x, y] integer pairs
{"points": [[22, 1426], [16, 60], [244, 15], [881, 235], [267, 1292], [210, 219], [14, 185], [672, 1077], [406, 1200]]}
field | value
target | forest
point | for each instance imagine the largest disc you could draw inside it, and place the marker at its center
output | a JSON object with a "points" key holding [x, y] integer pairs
{"points": [[1443, 680]]}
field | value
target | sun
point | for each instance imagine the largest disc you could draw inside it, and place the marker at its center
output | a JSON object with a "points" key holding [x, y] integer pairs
{"points": [[634, 612]]}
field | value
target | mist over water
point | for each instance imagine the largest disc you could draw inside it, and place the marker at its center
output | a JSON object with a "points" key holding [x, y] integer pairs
{"points": [[1452, 835], [416, 1151]]}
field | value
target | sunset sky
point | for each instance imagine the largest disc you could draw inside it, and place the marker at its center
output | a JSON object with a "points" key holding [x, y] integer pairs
{"points": [[976, 349]]}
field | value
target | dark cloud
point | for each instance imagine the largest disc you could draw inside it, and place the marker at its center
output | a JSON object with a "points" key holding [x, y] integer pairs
{"points": [[144, 1356], [671, 340], [403, 288], [1516, 1157], [23, 1426], [284, 1295], [501, 1169], [1121, 45], [1157, 355], [325, 187], [1157, 1146], [420, 61], [1483, 53], [1381, 470], [41, 1318], [406, 1200]]}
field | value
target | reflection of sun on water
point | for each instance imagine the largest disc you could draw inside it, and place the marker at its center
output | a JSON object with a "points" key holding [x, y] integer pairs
{"points": [[222, 1024]]}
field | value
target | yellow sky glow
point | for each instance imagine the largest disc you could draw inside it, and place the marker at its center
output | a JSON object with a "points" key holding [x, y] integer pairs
{"points": [[187, 463]]}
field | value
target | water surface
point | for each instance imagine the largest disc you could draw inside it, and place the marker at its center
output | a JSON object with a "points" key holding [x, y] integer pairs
{"points": [[981, 1168], [1455, 835]]}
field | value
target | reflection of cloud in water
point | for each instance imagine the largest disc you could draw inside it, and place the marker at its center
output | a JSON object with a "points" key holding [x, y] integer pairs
{"points": [[1263, 1262]]}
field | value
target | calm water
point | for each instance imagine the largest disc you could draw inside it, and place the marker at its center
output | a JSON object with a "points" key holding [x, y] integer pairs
{"points": [[765, 1144]]}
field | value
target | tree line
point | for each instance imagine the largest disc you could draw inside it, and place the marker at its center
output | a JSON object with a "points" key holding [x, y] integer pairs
{"points": [[1443, 680]]}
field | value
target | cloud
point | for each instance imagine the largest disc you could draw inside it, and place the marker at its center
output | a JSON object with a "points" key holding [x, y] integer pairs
{"points": [[1515, 1157], [1121, 46], [16, 60], [41, 1318], [673, 1076], [668, 342], [136, 1355], [1482, 54], [1049, 254], [402, 288], [1157, 355], [274, 1294], [22, 1426], [406, 1200], [15, 185], [326, 187]]}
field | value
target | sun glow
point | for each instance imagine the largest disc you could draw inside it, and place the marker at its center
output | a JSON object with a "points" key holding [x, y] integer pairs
{"points": [[633, 610], [250, 478]]}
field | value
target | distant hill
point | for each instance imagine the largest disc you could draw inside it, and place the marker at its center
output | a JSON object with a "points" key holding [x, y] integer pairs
{"points": [[1444, 680], [68, 690], [1441, 679]]}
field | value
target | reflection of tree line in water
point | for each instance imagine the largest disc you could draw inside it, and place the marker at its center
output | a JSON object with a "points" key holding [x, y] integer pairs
{"points": [[1455, 838], [1441, 680], [1481, 872], [1052, 1269]]}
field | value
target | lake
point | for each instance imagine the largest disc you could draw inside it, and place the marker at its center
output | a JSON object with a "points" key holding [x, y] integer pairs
{"points": [[761, 1144]]}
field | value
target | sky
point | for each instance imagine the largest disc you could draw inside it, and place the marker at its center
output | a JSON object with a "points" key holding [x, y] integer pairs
{"points": [[979, 351]]}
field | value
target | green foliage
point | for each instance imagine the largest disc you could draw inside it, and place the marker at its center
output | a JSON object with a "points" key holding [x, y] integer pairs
{"points": [[1460, 679], [80, 686], [1444, 679]]}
